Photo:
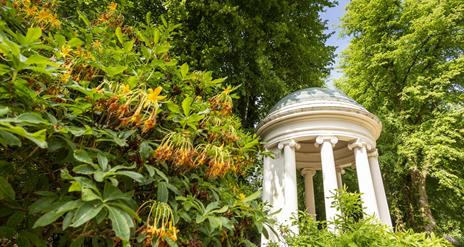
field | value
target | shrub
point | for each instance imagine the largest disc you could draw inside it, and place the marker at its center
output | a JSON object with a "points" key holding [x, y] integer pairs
{"points": [[355, 229], [106, 139]]}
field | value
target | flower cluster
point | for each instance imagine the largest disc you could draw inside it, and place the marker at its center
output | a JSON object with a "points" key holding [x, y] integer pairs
{"points": [[178, 149], [109, 17], [223, 102], [133, 107], [159, 223], [41, 15]]}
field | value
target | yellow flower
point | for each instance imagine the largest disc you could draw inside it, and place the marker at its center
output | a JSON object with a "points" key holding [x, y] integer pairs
{"points": [[97, 44], [112, 7], [44, 16], [153, 95], [65, 50], [241, 196], [65, 77], [124, 89], [30, 11], [54, 22]]}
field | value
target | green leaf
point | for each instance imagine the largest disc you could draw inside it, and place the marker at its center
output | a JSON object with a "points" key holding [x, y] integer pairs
{"points": [[40, 60], [84, 169], [75, 42], [184, 70], [102, 161], [8, 139], [85, 213], [252, 197], [33, 34], [6, 191], [67, 220], [134, 175], [114, 70], [37, 137], [82, 156], [172, 107], [119, 35], [145, 150], [156, 36], [186, 105], [162, 192], [31, 118], [119, 222], [89, 195], [48, 218], [4, 110]]}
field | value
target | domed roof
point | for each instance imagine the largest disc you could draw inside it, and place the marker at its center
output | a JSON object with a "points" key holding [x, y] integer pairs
{"points": [[313, 101], [314, 95]]}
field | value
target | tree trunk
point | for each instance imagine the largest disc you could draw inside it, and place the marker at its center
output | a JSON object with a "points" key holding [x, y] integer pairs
{"points": [[419, 179]]}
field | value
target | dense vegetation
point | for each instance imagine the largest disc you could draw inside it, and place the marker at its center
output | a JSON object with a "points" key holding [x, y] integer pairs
{"points": [[117, 122], [355, 229], [269, 48], [405, 63], [106, 139]]}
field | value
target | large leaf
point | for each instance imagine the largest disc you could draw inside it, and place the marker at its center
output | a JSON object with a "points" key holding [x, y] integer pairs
{"points": [[85, 213], [134, 175], [53, 215], [82, 156], [6, 191], [119, 221]]}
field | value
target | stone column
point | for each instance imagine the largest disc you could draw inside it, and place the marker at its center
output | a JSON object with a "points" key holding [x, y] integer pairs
{"points": [[290, 186], [267, 182], [340, 172], [379, 189], [273, 182], [329, 176], [309, 190], [363, 173]]}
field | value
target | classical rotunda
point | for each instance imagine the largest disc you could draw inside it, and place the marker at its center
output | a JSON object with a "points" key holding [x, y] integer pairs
{"points": [[320, 129]]}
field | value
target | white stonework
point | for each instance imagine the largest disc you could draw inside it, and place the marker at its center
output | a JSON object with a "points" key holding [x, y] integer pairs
{"points": [[319, 129]]}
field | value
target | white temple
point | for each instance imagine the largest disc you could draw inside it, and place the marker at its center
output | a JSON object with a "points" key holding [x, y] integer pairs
{"points": [[320, 129]]}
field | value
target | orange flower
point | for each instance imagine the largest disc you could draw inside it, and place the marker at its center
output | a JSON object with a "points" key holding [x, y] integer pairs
{"points": [[44, 16], [54, 22], [30, 11]]}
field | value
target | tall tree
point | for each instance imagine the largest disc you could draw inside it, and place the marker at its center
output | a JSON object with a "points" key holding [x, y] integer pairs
{"points": [[268, 47], [405, 63]]}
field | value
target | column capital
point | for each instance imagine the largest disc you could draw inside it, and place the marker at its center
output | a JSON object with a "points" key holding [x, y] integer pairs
{"points": [[359, 144], [340, 170], [321, 139], [291, 143], [308, 171], [373, 153]]}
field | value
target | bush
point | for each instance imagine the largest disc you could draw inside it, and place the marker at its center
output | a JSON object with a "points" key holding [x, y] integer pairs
{"points": [[355, 229], [105, 139]]}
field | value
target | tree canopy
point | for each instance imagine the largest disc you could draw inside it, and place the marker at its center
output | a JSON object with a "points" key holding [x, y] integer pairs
{"points": [[405, 63], [268, 48]]}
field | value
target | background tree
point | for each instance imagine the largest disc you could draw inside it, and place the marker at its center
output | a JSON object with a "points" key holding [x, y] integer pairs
{"points": [[405, 63], [269, 48]]}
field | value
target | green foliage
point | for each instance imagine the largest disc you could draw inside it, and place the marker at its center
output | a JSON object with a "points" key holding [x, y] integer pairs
{"points": [[269, 48], [405, 64], [106, 139], [354, 230]]}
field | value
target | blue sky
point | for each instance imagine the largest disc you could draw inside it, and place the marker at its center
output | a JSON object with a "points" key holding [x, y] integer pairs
{"points": [[333, 15]]}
